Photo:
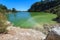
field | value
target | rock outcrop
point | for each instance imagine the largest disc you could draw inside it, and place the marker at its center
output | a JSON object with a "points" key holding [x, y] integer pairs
{"points": [[54, 34], [16, 33]]}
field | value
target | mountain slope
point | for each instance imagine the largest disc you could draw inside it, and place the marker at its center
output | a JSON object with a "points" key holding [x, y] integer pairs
{"points": [[43, 6]]}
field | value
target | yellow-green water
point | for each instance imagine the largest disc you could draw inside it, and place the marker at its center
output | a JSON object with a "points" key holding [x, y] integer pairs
{"points": [[30, 19]]}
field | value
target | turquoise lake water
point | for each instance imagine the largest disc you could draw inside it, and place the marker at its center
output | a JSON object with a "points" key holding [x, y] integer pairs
{"points": [[29, 19], [23, 19]]}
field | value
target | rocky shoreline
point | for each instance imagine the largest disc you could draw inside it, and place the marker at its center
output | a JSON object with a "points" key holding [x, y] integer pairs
{"points": [[17, 33]]}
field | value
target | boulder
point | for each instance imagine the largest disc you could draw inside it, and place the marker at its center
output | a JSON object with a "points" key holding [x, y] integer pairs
{"points": [[54, 34]]}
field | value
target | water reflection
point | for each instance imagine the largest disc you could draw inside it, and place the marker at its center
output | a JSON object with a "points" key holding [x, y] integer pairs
{"points": [[20, 18]]}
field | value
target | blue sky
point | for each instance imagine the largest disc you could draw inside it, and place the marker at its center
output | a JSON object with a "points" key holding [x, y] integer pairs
{"points": [[21, 5]]}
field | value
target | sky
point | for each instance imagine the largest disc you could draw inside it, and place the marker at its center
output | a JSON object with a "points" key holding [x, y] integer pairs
{"points": [[22, 5]]}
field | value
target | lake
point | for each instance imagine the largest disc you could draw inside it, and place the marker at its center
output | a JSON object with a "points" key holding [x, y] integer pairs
{"points": [[30, 19]]}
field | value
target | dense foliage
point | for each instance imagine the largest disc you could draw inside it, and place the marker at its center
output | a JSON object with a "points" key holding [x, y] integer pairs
{"points": [[3, 26], [13, 10], [51, 6], [58, 14], [4, 9], [45, 5]]}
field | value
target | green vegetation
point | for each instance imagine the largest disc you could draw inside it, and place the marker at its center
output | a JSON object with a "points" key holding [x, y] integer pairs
{"points": [[49, 6], [56, 10], [13, 10], [3, 26], [37, 16], [4, 9], [45, 5], [58, 15]]}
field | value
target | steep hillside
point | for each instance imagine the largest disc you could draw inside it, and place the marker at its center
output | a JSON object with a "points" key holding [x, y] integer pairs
{"points": [[43, 6]]}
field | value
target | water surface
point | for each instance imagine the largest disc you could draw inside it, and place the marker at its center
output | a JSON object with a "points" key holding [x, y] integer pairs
{"points": [[30, 19], [21, 19]]}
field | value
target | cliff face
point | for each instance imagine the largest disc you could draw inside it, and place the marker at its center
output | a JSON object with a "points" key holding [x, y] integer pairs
{"points": [[42, 6]]}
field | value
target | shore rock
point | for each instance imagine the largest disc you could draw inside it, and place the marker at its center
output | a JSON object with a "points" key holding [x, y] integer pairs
{"points": [[16, 33], [54, 34]]}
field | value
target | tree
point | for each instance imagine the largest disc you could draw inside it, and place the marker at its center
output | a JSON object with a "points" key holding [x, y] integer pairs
{"points": [[3, 8], [46, 0], [13, 10], [41, 0], [58, 13]]}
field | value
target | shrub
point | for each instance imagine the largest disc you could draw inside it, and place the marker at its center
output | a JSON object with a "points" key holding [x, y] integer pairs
{"points": [[58, 15], [3, 26], [58, 12]]}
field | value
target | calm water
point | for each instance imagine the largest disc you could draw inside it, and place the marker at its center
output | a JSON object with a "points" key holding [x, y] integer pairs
{"points": [[27, 19], [23, 19]]}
